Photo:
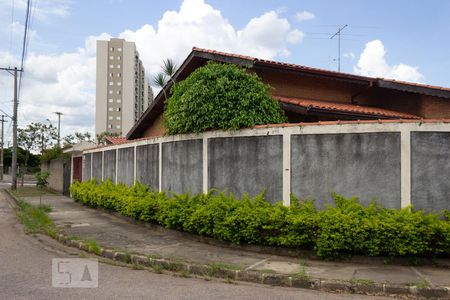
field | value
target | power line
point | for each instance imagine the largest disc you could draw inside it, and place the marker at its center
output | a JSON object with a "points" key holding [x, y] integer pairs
{"points": [[24, 43], [12, 22], [338, 34]]}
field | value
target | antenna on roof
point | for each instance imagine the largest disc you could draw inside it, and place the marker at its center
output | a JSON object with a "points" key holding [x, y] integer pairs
{"points": [[338, 34]]}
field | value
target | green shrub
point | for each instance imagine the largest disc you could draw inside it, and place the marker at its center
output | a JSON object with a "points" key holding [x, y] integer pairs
{"points": [[220, 96], [345, 228]]}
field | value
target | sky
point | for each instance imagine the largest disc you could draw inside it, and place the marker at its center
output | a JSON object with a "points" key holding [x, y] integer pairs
{"points": [[402, 39]]}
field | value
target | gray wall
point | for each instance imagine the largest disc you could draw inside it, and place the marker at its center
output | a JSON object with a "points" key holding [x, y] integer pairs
{"points": [[147, 165], [57, 176], [182, 166], [125, 171], [430, 170], [247, 165], [365, 165], [97, 165], [109, 170], [87, 166]]}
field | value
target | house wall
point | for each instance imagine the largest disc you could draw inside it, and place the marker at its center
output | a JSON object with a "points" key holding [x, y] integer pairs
{"points": [[157, 128], [395, 163], [58, 176]]}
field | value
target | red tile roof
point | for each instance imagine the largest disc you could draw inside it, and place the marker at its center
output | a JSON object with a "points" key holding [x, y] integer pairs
{"points": [[318, 70], [116, 140], [346, 108]]}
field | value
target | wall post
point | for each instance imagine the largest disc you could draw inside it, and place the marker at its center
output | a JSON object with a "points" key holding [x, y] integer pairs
{"points": [[205, 165], [135, 168], [405, 185], [117, 164], [103, 165], [160, 166], [287, 169]]}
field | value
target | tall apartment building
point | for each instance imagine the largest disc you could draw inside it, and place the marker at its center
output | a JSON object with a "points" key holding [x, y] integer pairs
{"points": [[123, 92]]}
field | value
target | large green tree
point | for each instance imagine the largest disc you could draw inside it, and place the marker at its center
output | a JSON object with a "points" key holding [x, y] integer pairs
{"points": [[220, 96]]}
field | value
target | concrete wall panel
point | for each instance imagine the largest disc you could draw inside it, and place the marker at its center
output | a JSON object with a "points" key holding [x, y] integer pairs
{"points": [[247, 165], [430, 170], [125, 172], [147, 165], [182, 166], [366, 165], [87, 167], [97, 165], [109, 170]]}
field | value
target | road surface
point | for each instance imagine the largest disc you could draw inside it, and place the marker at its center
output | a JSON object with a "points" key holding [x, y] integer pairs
{"points": [[25, 273]]}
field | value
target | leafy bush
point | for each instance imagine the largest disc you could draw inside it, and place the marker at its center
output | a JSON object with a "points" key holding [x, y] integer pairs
{"points": [[41, 178], [53, 153], [220, 96], [345, 228]]}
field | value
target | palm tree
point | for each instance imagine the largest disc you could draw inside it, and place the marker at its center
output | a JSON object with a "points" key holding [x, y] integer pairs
{"points": [[169, 68], [160, 80]]}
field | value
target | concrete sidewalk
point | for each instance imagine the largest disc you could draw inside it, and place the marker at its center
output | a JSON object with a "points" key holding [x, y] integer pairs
{"points": [[115, 232]]}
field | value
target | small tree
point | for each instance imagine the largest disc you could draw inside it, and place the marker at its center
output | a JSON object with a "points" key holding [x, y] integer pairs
{"points": [[220, 96], [101, 137], [42, 182]]}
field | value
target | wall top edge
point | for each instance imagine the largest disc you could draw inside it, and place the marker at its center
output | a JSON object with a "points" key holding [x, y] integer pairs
{"points": [[289, 129]]}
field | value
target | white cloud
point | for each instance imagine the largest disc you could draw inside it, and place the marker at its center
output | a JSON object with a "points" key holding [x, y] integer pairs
{"points": [[304, 16], [372, 62], [66, 82], [349, 55]]}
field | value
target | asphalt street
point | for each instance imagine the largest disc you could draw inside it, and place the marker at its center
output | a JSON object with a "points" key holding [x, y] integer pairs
{"points": [[26, 273]]}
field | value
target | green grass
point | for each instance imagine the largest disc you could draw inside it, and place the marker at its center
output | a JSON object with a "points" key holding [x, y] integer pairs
{"points": [[32, 191], [420, 284], [92, 246], [35, 218]]}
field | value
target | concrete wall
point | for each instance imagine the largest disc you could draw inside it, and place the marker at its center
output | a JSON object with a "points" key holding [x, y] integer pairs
{"points": [[87, 159], [147, 165], [247, 165], [97, 165], [56, 169], [365, 165], [109, 168], [395, 163], [182, 164], [430, 170], [125, 171]]}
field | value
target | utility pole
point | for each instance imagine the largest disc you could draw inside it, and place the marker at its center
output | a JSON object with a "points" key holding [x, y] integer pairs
{"points": [[2, 145], [59, 127], [338, 34], [14, 119]]}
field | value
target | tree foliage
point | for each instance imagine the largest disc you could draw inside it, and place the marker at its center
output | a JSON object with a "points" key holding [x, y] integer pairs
{"points": [[101, 137], [220, 96], [77, 137], [37, 136]]}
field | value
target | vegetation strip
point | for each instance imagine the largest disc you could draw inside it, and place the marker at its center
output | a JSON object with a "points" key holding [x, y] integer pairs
{"points": [[348, 228], [43, 224]]}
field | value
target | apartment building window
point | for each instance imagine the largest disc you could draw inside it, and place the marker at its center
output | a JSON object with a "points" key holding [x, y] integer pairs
{"points": [[118, 100], [111, 74], [118, 126], [111, 49], [110, 126], [119, 57], [111, 83], [118, 66], [119, 74], [111, 66], [118, 92], [119, 83], [110, 91], [111, 57], [119, 49], [110, 100], [110, 118], [118, 118], [118, 109], [110, 109]]}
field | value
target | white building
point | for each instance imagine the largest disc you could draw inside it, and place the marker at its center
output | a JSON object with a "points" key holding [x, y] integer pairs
{"points": [[123, 92]]}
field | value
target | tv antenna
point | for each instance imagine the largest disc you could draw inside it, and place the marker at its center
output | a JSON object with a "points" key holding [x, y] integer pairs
{"points": [[338, 34]]}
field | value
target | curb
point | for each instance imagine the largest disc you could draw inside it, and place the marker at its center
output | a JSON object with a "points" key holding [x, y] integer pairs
{"points": [[273, 279], [260, 277]]}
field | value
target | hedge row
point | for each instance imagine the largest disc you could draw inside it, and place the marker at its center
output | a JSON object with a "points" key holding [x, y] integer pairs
{"points": [[345, 228]]}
